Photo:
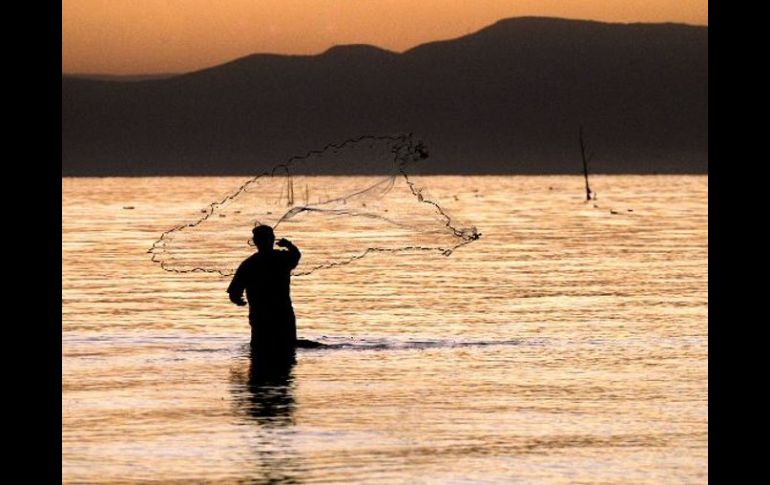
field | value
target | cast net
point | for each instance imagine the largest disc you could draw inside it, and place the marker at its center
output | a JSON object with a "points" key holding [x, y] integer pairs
{"points": [[338, 204]]}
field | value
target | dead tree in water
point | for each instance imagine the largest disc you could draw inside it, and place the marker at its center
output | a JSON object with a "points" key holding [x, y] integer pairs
{"points": [[586, 158]]}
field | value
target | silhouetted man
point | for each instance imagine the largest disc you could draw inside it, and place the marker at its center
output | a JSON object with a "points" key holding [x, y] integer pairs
{"points": [[266, 276]]}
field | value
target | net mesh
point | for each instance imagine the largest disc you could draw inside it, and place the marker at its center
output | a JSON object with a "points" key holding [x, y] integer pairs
{"points": [[334, 220]]}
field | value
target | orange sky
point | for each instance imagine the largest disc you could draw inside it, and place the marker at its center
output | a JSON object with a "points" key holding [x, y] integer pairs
{"points": [[147, 36]]}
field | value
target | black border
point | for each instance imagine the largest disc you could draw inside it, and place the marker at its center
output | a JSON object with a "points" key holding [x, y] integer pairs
{"points": [[33, 167]]}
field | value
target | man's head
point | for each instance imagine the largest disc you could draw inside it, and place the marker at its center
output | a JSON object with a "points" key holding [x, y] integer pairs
{"points": [[263, 237]]}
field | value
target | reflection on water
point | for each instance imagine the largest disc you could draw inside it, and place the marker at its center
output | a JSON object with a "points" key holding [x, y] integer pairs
{"points": [[568, 344], [267, 395], [264, 396]]}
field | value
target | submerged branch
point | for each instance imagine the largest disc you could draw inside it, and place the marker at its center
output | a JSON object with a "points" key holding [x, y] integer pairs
{"points": [[586, 158]]}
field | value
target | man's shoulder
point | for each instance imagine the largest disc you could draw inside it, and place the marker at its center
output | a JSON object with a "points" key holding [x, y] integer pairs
{"points": [[252, 260]]}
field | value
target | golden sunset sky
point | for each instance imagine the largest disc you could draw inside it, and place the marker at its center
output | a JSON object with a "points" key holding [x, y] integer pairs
{"points": [[159, 36]]}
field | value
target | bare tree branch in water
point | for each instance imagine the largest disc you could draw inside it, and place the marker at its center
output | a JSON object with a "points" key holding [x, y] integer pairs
{"points": [[586, 158]]}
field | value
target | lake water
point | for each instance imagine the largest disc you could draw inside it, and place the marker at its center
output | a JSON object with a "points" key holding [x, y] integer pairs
{"points": [[568, 344]]}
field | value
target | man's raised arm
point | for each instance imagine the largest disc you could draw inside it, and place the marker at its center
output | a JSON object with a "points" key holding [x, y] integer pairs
{"points": [[292, 250]]}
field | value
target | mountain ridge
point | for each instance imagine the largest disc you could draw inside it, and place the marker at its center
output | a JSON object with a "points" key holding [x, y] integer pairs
{"points": [[508, 98]]}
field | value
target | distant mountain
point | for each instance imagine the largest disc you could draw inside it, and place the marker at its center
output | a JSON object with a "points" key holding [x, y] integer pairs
{"points": [[506, 99]]}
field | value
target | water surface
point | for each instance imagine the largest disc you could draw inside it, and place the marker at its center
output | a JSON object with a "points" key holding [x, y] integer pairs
{"points": [[568, 344]]}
